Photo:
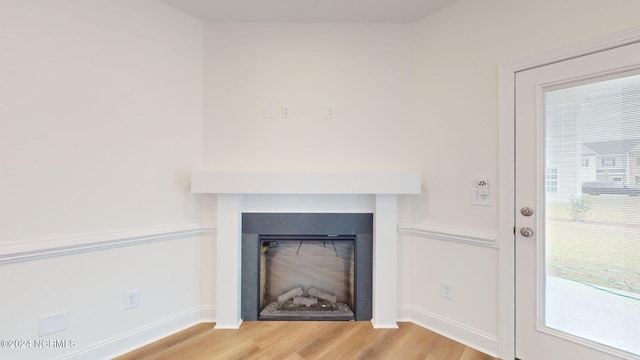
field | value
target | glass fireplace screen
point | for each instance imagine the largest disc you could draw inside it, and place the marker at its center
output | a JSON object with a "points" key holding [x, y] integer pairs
{"points": [[307, 277]]}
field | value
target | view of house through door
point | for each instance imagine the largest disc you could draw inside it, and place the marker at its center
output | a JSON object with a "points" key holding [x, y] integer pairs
{"points": [[578, 208]]}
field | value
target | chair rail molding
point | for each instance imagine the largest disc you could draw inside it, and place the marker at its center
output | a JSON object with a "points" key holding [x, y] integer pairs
{"points": [[78, 243], [476, 237]]}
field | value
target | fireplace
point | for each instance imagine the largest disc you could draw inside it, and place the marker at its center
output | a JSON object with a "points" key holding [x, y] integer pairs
{"points": [[306, 266], [302, 192]]}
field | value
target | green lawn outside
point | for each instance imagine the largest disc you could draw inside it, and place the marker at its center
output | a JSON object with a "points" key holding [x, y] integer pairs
{"points": [[603, 250]]}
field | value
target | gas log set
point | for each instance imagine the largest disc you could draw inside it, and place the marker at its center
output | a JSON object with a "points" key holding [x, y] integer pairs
{"points": [[316, 303], [310, 300]]}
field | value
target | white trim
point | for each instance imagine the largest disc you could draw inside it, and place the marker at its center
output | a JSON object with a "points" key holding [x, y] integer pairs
{"points": [[506, 177], [137, 338], [158, 330], [385, 262], [506, 212], [570, 52], [378, 325], [448, 233], [461, 333], [208, 314], [44, 248], [228, 261]]}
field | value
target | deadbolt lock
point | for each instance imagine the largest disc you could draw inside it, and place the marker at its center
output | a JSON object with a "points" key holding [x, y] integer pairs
{"points": [[526, 211]]}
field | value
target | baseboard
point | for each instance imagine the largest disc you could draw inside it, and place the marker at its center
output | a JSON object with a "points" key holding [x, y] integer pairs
{"points": [[207, 314], [145, 335], [376, 325], [461, 333], [137, 338]]}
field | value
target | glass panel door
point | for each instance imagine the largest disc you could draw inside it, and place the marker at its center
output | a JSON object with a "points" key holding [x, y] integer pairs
{"points": [[577, 220]]}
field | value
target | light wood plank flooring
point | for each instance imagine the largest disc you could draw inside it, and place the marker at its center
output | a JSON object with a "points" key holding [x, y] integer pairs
{"points": [[282, 340]]}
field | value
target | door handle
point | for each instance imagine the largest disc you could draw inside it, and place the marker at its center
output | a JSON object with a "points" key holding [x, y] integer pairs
{"points": [[526, 231]]}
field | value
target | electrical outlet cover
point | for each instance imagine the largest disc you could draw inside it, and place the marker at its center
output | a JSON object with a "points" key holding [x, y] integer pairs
{"points": [[330, 112], [131, 299], [446, 290]]}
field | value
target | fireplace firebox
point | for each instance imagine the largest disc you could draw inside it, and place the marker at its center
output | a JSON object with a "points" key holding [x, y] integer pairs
{"points": [[306, 277], [306, 266]]}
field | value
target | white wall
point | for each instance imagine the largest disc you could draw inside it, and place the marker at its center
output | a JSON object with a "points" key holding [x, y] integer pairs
{"points": [[101, 121], [101, 108], [364, 70], [100, 125], [457, 54], [458, 51]]}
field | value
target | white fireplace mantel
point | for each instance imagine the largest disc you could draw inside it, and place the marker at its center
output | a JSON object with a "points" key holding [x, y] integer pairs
{"points": [[232, 186], [305, 183]]}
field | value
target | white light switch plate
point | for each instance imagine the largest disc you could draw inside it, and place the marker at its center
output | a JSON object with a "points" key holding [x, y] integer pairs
{"points": [[479, 200]]}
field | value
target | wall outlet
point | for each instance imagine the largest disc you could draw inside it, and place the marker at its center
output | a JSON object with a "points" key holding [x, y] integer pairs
{"points": [[53, 323], [446, 290], [131, 299], [268, 111], [330, 112], [286, 111]]}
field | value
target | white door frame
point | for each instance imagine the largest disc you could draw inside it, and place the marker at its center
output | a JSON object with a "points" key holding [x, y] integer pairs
{"points": [[506, 168]]}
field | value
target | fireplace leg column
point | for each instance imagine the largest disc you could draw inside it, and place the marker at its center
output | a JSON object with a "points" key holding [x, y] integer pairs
{"points": [[228, 261], [385, 232]]}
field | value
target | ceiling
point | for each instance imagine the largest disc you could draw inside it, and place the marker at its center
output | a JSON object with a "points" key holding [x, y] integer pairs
{"points": [[353, 11]]}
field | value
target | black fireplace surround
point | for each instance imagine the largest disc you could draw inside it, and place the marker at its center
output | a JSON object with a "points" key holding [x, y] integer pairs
{"points": [[358, 226]]}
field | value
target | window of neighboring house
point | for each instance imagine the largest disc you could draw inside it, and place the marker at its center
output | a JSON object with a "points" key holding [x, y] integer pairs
{"points": [[552, 180], [608, 161], [585, 162], [637, 180], [637, 160]]}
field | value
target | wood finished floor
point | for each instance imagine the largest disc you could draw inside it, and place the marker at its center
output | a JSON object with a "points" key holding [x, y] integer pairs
{"points": [[281, 340]]}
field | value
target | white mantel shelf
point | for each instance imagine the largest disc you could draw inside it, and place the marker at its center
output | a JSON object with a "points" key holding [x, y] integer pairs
{"points": [[212, 182]]}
